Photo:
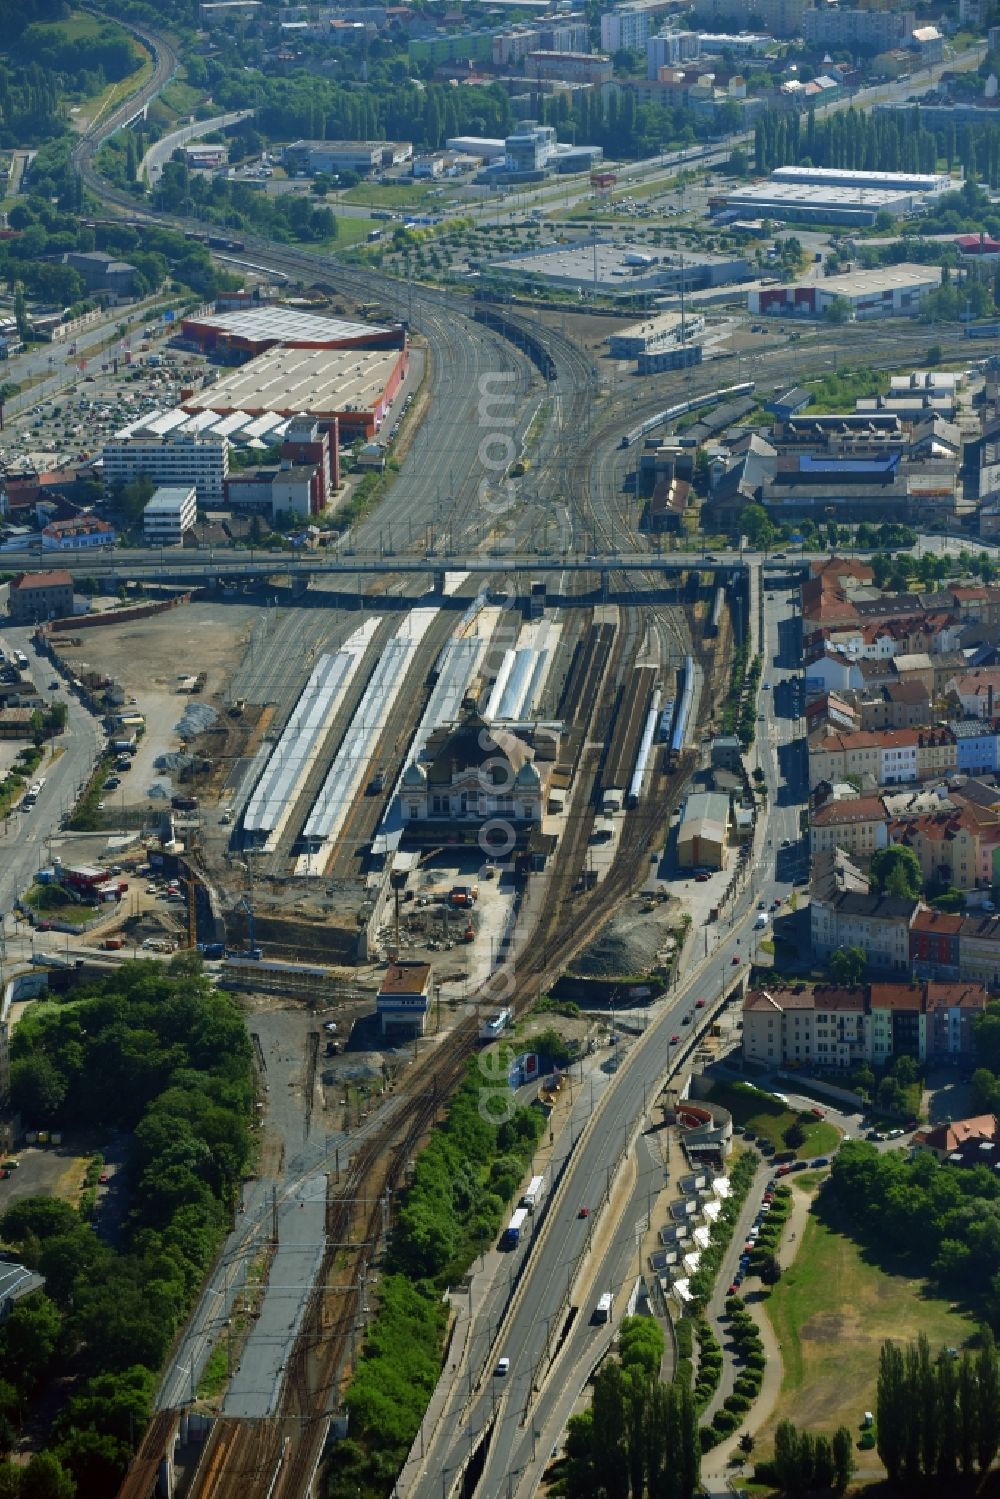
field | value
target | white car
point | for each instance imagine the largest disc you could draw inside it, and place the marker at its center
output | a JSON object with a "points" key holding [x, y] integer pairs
{"points": [[503, 1365]]}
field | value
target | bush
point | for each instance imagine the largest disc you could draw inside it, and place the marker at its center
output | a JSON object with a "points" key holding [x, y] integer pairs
{"points": [[725, 1422], [738, 1404]]}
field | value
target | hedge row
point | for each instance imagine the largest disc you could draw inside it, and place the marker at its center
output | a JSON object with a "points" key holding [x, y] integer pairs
{"points": [[709, 1365], [749, 1349]]}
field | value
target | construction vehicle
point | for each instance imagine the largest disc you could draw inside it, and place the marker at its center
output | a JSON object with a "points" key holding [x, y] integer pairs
{"points": [[252, 951]]}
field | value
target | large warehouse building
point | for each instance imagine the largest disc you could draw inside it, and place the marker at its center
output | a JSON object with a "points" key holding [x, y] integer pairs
{"points": [[889, 291], [353, 387], [826, 195], [620, 270], [242, 335]]}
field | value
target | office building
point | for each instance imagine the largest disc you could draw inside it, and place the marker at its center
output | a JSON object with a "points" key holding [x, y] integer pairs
{"points": [[170, 514], [330, 157], [179, 458]]}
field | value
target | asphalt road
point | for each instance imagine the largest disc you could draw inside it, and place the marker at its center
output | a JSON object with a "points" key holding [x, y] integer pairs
{"points": [[23, 849]]}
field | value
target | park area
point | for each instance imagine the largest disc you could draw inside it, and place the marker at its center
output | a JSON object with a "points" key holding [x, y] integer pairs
{"points": [[831, 1312], [769, 1119]]}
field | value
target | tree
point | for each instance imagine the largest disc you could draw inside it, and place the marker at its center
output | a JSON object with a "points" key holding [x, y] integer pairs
{"points": [[892, 1398], [37, 1090], [46, 1478], [847, 965], [786, 1455], [896, 871], [968, 1415], [838, 311], [770, 1270], [755, 525], [988, 1384], [843, 1458]]}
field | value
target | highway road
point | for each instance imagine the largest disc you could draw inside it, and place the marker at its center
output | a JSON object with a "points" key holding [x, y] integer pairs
{"points": [[162, 150]]}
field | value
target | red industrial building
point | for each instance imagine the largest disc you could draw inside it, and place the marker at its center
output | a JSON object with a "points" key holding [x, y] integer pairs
{"points": [[236, 336]]}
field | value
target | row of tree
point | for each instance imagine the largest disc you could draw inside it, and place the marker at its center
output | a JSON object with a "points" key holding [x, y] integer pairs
{"points": [[936, 1417], [804, 1463], [876, 141], [163, 1056], [639, 1438]]}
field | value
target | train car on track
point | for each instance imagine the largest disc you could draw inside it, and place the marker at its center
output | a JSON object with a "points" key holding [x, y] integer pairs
{"points": [[683, 714]]}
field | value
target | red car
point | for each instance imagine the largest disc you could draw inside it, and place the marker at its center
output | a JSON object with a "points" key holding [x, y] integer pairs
{"points": [[784, 1170], [734, 1289], [736, 960], [104, 1178], [674, 1040], [701, 879], [700, 1004], [583, 1213], [818, 1112]]}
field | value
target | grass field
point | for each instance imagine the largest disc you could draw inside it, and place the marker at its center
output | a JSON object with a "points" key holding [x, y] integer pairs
{"points": [[768, 1118], [388, 195], [831, 1311]]}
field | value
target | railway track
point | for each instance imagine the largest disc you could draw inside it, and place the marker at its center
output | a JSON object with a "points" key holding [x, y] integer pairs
{"points": [[630, 719]]}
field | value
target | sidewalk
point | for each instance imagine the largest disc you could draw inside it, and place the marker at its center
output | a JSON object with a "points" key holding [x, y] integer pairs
{"points": [[715, 1464]]}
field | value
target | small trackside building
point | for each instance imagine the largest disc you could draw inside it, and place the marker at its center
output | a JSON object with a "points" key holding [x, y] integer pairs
{"points": [[404, 998]]}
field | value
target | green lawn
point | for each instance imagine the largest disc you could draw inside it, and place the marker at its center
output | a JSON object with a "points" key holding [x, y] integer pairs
{"points": [[351, 232], [388, 195], [831, 1311], [48, 902], [768, 1118]]}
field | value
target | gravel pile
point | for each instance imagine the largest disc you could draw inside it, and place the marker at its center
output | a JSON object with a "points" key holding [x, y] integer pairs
{"points": [[174, 761], [196, 719], [632, 943]]}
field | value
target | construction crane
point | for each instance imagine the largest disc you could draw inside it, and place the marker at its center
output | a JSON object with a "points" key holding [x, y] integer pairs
{"points": [[246, 904]]}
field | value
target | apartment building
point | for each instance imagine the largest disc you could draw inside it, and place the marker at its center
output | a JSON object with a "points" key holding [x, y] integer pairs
{"points": [[946, 845], [937, 753], [871, 30], [976, 745], [627, 26], [878, 924], [669, 49], [832, 1028], [177, 459], [901, 705], [824, 1026], [779, 17], [886, 758], [859, 826], [37, 596]]}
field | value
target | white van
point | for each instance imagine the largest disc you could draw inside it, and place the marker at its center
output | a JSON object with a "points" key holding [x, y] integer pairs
{"points": [[760, 924]]}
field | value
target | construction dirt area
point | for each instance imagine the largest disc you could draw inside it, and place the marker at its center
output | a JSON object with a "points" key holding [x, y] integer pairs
{"points": [[231, 691]]}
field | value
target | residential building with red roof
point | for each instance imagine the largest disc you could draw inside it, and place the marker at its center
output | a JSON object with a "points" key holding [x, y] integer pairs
{"points": [[40, 596], [823, 1026], [858, 825]]}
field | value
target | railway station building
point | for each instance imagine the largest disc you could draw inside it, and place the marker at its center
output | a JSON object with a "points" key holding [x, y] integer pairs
{"points": [[474, 774]]}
